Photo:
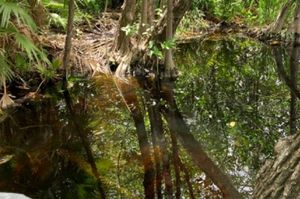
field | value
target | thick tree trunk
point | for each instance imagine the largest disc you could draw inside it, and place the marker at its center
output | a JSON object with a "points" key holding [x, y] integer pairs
{"points": [[180, 8], [278, 25], [280, 178], [140, 51], [38, 12], [144, 17], [146, 154], [170, 69], [122, 42], [151, 12]]}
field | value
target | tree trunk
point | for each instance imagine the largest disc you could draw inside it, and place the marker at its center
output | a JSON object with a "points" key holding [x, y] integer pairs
{"points": [[151, 12], [144, 17], [297, 25], [158, 34], [277, 27], [68, 41], [280, 178], [170, 70], [122, 42], [38, 12]]}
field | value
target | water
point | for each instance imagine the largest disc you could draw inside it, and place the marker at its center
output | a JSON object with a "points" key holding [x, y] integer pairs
{"points": [[231, 98]]}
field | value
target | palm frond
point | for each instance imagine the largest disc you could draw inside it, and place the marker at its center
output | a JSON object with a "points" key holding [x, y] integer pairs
{"points": [[32, 51], [9, 9], [5, 67]]}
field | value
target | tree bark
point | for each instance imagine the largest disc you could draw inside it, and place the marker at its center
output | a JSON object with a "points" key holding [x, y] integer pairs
{"points": [[122, 42], [38, 12], [151, 12], [280, 178], [170, 70], [158, 34], [144, 17], [297, 25], [68, 41]]}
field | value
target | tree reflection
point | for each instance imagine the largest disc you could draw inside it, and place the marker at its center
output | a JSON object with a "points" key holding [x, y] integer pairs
{"points": [[290, 80]]}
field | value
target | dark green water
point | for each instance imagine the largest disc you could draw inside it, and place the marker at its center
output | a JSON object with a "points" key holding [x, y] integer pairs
{"points": [[230, 94]]}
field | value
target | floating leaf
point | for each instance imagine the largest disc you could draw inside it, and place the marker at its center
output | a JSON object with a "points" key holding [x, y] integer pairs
{"points": [[232, 124]]}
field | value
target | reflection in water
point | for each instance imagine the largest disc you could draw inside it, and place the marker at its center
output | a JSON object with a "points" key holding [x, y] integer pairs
{"points": [[143, 138], [291, 81], [75, 120]]}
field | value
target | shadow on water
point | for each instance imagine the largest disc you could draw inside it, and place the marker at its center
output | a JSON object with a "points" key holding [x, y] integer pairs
{"points": [[142, 138]]}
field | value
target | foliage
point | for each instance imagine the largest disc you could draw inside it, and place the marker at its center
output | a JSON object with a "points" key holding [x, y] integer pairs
{"points": [[16, 29], [11, 9], [250, 11], [192, 22], [156, 51], [234, 102], [130, 30], [91, 6]]}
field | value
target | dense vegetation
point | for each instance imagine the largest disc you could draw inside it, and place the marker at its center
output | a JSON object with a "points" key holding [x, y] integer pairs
{"points": [[227, 88]]}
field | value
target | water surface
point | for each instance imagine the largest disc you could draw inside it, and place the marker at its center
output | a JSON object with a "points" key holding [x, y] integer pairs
{"points": [[230, 94]]}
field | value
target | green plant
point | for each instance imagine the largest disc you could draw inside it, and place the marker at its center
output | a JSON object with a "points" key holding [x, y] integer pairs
{"points": [[169, 44], [57, 20], [16, 29], [91, 6], [154, 50], [130, 30]]}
